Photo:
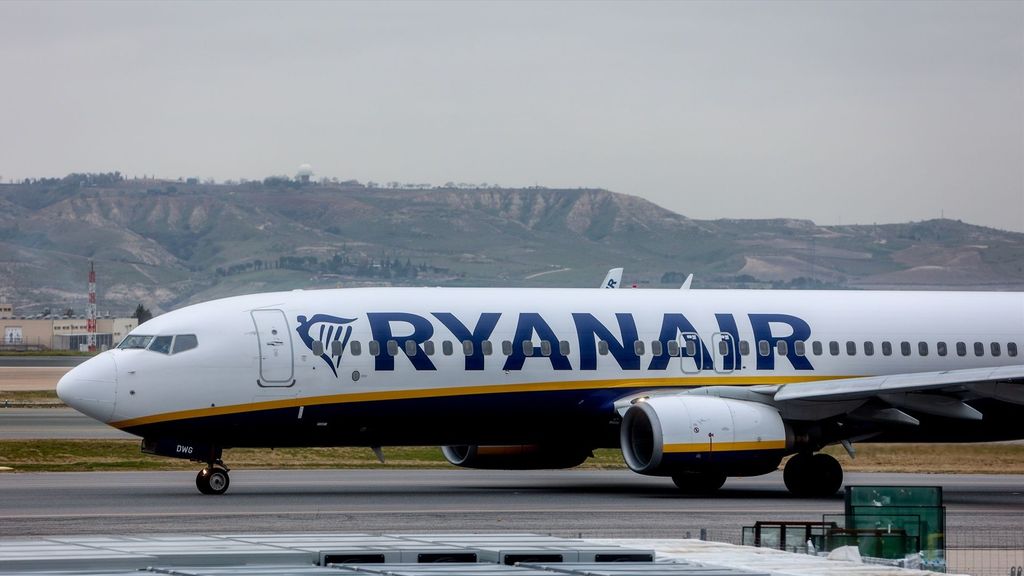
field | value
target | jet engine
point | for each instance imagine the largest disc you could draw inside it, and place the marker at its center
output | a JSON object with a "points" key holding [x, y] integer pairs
{"points": [[519, 457], [687, 434]]}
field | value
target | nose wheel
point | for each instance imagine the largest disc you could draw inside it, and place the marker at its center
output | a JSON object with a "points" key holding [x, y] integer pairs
{"points": [[213, 479]]}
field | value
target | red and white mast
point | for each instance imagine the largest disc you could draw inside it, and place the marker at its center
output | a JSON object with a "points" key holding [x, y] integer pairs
{"points": [[90, 310]]}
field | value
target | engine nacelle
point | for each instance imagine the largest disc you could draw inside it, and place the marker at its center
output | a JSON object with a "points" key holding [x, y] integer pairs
{"points": [[670, 435], [521, 457]]}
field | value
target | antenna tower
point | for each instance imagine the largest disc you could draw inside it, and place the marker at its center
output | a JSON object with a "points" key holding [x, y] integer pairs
{"points": [[90, 311]]}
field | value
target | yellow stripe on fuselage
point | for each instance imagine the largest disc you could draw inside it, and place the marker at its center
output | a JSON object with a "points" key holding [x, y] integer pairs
{"points": [[470, 391], [723, 446]]}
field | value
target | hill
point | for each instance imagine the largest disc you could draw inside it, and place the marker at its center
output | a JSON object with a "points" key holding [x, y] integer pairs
{"points": [[168, 243]]}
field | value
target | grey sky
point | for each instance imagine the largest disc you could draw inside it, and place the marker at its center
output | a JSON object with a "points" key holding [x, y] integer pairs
{"points": [[854, 112]]}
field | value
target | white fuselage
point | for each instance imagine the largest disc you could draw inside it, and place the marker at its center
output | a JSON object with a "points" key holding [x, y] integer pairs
{"points": [[256, 353]]}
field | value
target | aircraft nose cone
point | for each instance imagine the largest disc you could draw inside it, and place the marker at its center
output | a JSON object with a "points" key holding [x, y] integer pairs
{"points": [[91, 386]]}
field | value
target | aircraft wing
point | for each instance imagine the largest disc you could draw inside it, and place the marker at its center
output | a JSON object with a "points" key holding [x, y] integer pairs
{"points": [[1003, 383]]}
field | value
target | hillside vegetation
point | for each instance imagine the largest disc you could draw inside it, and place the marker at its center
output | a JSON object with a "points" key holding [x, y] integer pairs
{"points": [[168, 243]]}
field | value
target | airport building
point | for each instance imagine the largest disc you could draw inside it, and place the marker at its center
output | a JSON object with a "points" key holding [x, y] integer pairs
{"points": [[59, 333]]}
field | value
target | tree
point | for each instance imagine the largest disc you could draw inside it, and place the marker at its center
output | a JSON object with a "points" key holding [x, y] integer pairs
{"points": [[142, 313]]}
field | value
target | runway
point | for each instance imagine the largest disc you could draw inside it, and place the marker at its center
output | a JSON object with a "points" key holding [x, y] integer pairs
{"points": [[42, 361], [54, 423], [593, 503]]}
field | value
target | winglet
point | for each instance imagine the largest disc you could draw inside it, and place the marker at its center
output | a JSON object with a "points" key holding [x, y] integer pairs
{"points": [[686, 284]]}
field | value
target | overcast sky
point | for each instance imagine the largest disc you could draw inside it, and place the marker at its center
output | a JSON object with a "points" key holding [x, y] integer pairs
{"points": [[838, 112]]}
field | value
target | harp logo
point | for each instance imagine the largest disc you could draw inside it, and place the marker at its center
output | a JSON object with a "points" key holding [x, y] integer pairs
{"points": [[326, 329]]}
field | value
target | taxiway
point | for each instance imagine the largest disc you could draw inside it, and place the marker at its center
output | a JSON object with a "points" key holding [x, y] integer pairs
{"points": [[593, 503]]}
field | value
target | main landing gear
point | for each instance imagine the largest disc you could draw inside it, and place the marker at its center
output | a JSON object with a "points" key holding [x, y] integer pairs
{"points": [[813, 475], [699, 482], [213, 479]]}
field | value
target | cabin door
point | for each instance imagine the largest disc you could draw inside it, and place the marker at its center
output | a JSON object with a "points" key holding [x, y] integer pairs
{"points": [[275, 348]]}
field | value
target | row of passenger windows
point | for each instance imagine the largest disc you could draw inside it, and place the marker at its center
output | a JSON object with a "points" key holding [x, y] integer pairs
{"points": [[673, 348], [161, 344]]}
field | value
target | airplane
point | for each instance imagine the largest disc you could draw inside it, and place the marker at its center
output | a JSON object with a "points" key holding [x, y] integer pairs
{"points": [[696, 386]]}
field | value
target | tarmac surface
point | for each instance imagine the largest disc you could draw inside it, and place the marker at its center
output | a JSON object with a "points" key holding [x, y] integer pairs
{"points": [[54, 423], [35, 372], [42, 361], [591, 503]]}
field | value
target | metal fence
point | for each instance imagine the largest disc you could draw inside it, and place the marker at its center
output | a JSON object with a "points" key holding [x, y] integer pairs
{"points": [[982, 552]]}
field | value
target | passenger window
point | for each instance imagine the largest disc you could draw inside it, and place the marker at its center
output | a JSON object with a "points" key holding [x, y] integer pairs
{"points": [[162, 344], [411, 348], [922, 348], [781, 347], [467, 347], [691, 348], [886, 348], [335, 347], [527, 348], [656, 349], [506, 347], [905, 348], [602, 347], [638, 347], [961, 349], [979, 349], [940, 348], [800, 348], [869, 348], [1011, 348], [318, 348], [673, 348], [487, 348], [392, 347], [763, 348], [833, 348], [995, 349], [851, 348], [374, 347], [817, 348], [355, 347], [184, 342], [563, 347], [446, 348], [545, 348], [744, 348], [428, 347]]}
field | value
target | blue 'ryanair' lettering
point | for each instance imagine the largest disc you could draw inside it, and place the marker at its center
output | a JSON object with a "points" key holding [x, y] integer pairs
{"points": [[404, 327], [799, 330], [589, 330], [530, 322], [484, 327], [671, 326], [422, 330]]}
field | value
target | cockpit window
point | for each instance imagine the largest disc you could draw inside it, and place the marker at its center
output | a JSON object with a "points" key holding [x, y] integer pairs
{"points": [[161, 344], [134, 342], [184, 342]]}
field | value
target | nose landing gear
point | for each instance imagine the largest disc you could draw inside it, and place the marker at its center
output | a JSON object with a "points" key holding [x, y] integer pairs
{"points": [[213, 479]]}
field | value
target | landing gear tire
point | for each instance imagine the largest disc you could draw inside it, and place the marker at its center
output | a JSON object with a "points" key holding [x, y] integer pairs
{"points": [[699, 482], [213, 480], [813, 475]]}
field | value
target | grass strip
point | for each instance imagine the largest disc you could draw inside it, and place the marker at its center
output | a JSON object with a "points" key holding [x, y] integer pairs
{"points": [[97, 455], [45, 397]]}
